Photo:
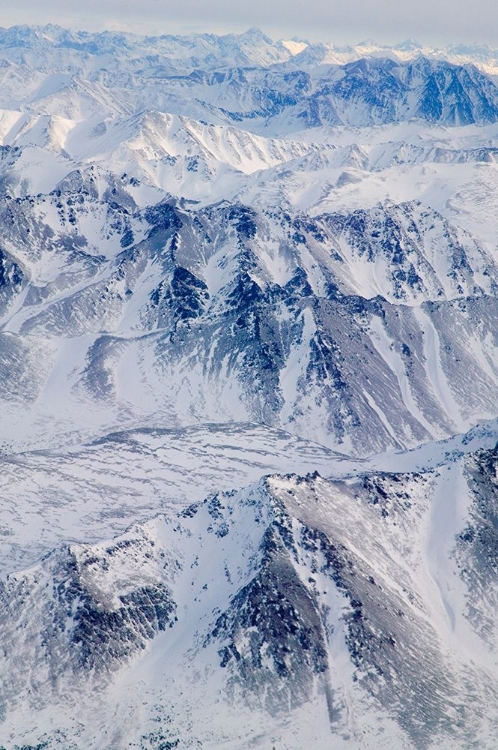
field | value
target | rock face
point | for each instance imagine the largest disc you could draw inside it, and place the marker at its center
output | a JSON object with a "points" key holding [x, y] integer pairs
{"points": [[79, 626]]}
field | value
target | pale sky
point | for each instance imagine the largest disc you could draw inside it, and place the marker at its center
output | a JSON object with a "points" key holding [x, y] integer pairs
{"points": [[338, 21]]}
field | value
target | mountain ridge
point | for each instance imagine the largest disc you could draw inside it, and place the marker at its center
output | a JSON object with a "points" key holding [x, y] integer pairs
{"points": [[275, 627], [248, 380]]}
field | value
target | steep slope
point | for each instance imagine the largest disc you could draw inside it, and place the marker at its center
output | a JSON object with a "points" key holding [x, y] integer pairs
{"points": [[298, 594], [247, 316]]}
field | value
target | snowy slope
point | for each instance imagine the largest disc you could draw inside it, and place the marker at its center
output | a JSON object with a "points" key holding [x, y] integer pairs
{"points": [[214, 301], [362, 603], [262, 273], [55, 494]]}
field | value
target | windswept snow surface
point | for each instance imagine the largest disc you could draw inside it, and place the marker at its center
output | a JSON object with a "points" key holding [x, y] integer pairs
{"points": [[249, 388]]}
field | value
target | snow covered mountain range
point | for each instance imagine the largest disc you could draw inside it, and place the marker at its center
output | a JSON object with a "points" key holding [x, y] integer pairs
{"points": [[249, 388]]}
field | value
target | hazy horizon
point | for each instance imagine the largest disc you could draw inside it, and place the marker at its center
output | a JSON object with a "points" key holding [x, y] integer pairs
{"points": [[389, 22]]}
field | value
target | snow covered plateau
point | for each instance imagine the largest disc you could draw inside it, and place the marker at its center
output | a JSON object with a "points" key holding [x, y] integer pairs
{"points": [[249, 394]]}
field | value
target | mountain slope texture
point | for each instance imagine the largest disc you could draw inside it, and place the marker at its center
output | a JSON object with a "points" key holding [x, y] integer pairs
{"points": [[249, 393]]}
